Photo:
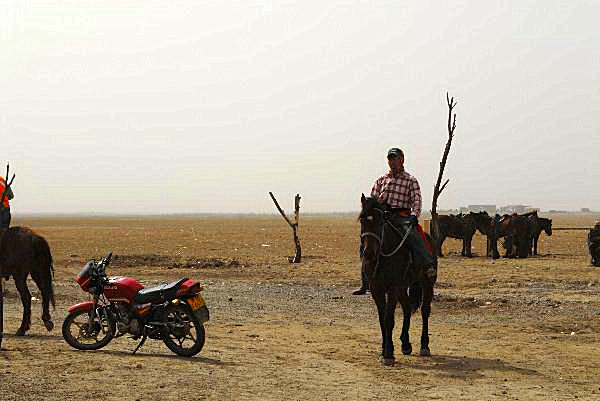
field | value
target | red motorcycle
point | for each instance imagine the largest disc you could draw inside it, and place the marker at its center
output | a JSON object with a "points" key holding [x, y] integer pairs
{"points": [[174, 313]]}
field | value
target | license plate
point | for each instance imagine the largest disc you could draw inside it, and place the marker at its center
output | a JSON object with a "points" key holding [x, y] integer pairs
{"points": [[196, 302]]}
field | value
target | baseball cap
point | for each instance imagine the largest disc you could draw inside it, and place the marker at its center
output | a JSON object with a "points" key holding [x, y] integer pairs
{"points": [[394, 153]]}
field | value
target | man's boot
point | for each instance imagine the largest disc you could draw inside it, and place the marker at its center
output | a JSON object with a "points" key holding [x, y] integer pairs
{"points": [[364, 286]]}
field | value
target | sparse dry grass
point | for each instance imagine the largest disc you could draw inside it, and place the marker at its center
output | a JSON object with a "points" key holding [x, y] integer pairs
{"points": [[499, 329]]}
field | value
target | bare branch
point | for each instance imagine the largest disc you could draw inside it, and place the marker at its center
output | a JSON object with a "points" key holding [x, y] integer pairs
{"points": [[280, 210], [451, 127], [444, 186], [298, 256], [297, 209], [437, 190]]}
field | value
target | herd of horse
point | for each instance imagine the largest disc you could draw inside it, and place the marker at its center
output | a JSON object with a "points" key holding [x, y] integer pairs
{"points": [[393, 278], [521, 232]]}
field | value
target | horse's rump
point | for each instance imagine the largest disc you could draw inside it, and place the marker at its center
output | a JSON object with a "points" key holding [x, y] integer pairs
{"points": [[23, 251]]}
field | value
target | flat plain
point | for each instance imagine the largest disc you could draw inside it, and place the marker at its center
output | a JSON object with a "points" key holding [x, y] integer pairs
{"points": [[509, 329]]}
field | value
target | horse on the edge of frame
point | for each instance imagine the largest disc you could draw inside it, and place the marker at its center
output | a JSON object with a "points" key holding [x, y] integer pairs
{"points": [[393, 278], [23, 252]]}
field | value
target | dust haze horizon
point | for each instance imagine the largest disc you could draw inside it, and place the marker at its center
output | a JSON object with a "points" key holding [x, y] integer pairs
{"points": [[156, 108]]}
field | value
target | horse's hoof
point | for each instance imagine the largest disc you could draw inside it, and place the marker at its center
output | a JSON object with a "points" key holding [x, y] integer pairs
{"points": [[20, 332], [407, 350], [425, 352], [49, 325], [388, 361]]}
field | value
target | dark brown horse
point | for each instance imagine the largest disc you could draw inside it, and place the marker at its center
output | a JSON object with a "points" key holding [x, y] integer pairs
{"points": [[458, 227], [392, 277], [593, 242], [23, 252], [514, 228], [491, 228], [517, 236], [536, 226]]}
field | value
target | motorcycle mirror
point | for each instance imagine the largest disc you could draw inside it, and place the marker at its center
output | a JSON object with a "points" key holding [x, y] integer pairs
{"points": [[108, 257]]}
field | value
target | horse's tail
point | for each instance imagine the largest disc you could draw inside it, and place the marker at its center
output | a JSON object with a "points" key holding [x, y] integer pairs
{"points": [[415, 293], [44, 259]]}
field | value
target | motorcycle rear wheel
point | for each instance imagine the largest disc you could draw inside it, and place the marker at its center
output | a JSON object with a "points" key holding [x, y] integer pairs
{"points": [[185, 334], [80, 333]]}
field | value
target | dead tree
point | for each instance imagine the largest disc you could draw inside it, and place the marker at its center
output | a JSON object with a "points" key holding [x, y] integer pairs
{"points": [[435, 233], [298, 256], [7, 185]]}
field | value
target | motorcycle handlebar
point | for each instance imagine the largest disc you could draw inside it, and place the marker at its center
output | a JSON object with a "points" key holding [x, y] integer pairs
{"points": [[104, 263], [107, 259]]}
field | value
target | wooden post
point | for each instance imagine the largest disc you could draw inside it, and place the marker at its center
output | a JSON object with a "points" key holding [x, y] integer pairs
{"points": [[427, 226], [298, 256], [435, 229]]}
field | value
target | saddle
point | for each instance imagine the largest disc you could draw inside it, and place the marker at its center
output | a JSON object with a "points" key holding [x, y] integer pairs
{"points": [[160, 293], [400, 219]]}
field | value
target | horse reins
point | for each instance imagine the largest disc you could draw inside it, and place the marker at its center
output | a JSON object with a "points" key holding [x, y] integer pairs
{"points": [[381, 238]]}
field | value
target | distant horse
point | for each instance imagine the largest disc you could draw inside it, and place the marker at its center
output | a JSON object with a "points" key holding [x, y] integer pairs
{"points": [[23, 252], [393, 278], [593, 242], [458, 227], [517, 236], [536, 226], [492, 228], [512, 227]]}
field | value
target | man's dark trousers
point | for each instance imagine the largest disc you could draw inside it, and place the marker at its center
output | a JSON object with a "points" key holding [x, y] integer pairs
{"points": [[4, 218]]}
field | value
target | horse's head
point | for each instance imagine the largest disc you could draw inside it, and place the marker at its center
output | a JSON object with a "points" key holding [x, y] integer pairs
{"points": [[546, 225], [483, 221], [371, 223]]}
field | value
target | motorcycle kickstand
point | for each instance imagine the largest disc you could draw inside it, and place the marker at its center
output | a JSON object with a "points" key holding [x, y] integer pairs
{"points": [[140, 344]]}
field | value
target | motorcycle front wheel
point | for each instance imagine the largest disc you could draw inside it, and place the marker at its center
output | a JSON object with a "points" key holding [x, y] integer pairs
{"points": [[184, 333], [82, 333]]}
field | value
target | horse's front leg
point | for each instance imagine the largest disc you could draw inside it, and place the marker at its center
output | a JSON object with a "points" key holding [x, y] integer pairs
{"points": [[379, 299], [406, 312], [467, 246], [494, 248], [425, 312], [389, 322]]}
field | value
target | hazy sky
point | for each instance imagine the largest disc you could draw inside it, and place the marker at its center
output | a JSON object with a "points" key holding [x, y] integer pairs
{"points": [[179, 106]]}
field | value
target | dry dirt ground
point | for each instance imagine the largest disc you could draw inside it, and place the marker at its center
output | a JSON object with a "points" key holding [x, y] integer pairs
{"points": [[500, 330]]}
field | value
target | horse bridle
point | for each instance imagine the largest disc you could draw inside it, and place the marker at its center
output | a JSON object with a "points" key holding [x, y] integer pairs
{"points": [[381, 238]]}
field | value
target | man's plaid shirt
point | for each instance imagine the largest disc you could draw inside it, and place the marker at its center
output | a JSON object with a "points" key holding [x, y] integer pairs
{"points": [[401, 192]]}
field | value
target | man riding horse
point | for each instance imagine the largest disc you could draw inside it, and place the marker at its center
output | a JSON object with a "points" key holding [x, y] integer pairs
{"points": [[400, 192]]}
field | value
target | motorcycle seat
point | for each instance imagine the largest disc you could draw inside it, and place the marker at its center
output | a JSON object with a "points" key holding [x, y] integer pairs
{"points": [[160, 293]]}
